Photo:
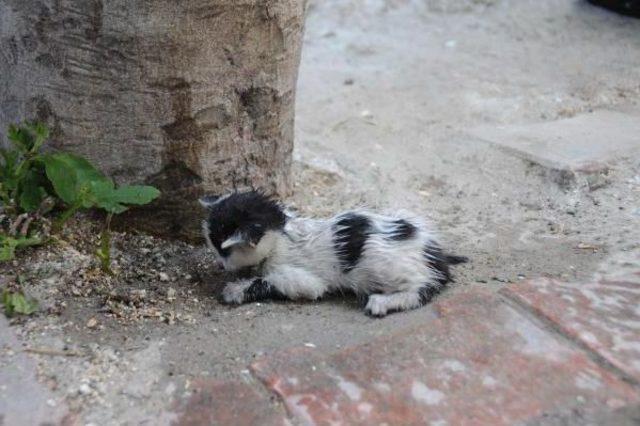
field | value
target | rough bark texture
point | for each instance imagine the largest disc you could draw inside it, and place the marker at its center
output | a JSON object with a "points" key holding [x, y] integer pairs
{"points": [[192, 96]]}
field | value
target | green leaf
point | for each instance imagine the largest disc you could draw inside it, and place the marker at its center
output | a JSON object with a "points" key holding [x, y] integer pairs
{"points": [[9, 168], [21, 138], [10, 159], [41, 134], [17, 303], [116, 200], [29, 137], [23, 305], [9, 245], [6, 302], [32, 190], [85, 171], [136, 194], [73, 178], [103, 195], [63, 178]]}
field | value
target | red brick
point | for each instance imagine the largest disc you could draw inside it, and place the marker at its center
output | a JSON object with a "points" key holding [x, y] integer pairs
{"points": [[229, 403], [481, 362], [604, 316]]}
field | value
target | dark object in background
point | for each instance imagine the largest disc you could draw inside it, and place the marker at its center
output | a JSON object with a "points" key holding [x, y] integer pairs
{"points": [[625, 7]]}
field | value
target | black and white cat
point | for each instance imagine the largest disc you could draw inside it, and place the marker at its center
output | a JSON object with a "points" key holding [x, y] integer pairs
{"points": [[393, 260]]}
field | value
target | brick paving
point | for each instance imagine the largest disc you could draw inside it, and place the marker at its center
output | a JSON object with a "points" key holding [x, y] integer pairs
{"points": [[215, 402], [481, 362], [604, 315]]}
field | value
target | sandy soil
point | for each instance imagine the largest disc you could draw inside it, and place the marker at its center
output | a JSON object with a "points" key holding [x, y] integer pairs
{"points": [[388, 92]]}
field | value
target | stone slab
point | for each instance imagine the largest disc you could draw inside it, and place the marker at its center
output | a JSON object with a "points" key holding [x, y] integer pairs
{"points": [[587, 142], [480, 362], [603, 315], [237, 403], [23, 399]]}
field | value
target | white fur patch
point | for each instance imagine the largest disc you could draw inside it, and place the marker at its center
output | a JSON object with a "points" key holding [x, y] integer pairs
{"points": [[233, 292], [382, 304]]}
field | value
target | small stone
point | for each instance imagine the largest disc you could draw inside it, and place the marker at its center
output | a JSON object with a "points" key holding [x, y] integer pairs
{"points": [[138, 294], [92, 323], [163, 276], [349, 82], [84, 389], [171, 294], [585, 246]]}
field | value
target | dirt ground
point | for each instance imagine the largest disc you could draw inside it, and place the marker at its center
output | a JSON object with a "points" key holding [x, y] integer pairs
{"points": [[388, 92]]}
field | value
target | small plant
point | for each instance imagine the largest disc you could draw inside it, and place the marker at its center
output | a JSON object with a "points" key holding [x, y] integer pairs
{"points": [[33, 182], [9, 245], [17, 303], [23, 184], [24, 190], [81, 186]]}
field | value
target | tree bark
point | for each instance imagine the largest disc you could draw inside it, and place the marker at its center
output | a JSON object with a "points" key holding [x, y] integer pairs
{"points": [[192, 96]]}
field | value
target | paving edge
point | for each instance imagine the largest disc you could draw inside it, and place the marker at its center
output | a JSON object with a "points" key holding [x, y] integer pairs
{"points": [[541, 318]]}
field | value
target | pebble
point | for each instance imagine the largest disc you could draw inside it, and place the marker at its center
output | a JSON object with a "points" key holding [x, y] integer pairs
{"points": [[92, 323], [163, 276], [171, 293], [84, 389]]}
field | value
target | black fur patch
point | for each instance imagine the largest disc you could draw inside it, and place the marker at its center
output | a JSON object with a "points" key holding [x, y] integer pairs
{"points": [[262, 290], [249, 213], [350, 234], [403, 230], [427, 293], [440, 261]]}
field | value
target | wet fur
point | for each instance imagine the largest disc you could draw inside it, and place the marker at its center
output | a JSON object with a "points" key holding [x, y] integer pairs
{"points": [[394, 261]]}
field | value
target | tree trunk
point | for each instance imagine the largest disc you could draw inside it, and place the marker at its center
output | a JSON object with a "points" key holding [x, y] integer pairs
{"points": [[192, 96]]}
